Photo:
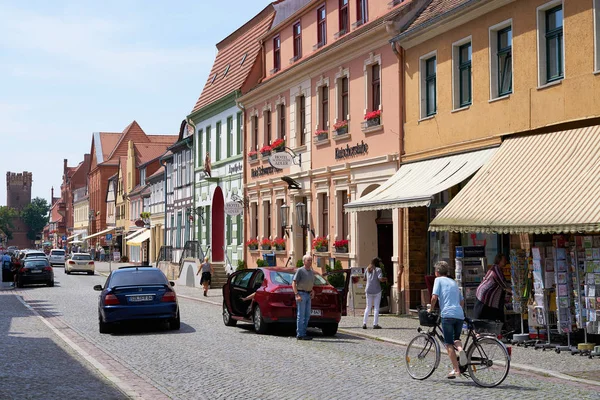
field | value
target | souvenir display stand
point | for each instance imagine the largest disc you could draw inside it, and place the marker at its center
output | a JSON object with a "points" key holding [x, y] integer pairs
{"points": [[518, 275], [586, 286], [563, 268], [471, 266]]}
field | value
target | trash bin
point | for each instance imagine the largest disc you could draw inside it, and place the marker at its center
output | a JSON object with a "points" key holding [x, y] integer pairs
{"points": [[270, 259]]}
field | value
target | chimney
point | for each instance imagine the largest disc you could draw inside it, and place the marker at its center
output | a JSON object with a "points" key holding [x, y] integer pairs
{"points": [[52, 196], [65, 166]]}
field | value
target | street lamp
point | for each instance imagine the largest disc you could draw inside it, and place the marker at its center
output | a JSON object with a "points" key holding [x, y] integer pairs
{"points": [[301, 213], [284, 210]]}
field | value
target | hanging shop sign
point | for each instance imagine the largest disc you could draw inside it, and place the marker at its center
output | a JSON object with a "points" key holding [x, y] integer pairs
{"points": [[351, 151], [281, 160], [233, 208], [260, 171], [235, 168]]}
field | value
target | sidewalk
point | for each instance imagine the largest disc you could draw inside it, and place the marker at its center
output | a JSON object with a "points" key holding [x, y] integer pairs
{"points": [[401, 329]]}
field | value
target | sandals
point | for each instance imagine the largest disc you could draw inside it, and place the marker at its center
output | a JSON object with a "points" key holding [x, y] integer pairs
{"points": [[453, 374]]}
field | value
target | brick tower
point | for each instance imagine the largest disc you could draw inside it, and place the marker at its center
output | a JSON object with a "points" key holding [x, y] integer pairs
{"points": [[18, 195]]}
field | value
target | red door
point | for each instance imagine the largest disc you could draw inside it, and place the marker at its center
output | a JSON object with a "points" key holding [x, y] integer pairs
{"points": [[218, 226]]}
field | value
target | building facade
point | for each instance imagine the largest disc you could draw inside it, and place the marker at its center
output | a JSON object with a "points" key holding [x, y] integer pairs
{"points": [[81, 215]]}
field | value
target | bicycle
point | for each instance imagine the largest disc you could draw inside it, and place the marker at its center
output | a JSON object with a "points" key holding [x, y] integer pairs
{"points": [[488, 359]]}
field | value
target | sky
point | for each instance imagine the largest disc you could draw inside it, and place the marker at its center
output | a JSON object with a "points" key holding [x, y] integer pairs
{"points": [[71, 68]]}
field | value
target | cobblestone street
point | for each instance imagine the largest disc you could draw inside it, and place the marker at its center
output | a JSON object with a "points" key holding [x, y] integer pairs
{"points": [[208, 360]]}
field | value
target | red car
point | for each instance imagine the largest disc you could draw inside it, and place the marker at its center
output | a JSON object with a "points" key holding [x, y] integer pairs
{"points": [[274, 301]]}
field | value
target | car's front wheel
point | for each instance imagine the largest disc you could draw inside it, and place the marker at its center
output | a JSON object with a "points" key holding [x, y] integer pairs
{"points": [[260, 326], [103, 327], [227, 319], [175, 323], [329, 329]]}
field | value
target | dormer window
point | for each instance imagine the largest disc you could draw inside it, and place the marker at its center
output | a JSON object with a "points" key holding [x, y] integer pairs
{"points": [[243, 58], [226, 71], [213, 79]]}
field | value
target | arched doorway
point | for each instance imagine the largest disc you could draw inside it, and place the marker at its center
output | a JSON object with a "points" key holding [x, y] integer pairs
{"points": [[218, 226]]}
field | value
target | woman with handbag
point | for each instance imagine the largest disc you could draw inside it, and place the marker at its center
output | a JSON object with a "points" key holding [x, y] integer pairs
{"points": [[491, 293]]}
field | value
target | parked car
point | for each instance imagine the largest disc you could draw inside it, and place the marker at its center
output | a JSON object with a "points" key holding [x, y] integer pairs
{"points": [[137, 293], [35, 270], [57, 257], [80, 262], [27, 254], [274, 301]]}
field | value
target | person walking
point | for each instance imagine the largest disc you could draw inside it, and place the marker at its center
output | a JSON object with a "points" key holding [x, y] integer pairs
{"points": [[207, 270], [101, 251], [491, 293], [446, 291], [373, 277], [302, 284]]}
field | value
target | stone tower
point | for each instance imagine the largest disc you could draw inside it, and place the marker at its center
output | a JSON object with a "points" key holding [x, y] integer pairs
{"points": [[18, 189]]}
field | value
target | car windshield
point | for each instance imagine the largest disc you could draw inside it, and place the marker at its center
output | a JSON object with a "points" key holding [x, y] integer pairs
{"points": [[81, 257], [286, 278], [57, 252], [133, 277], [31, 255], [36, 263]]}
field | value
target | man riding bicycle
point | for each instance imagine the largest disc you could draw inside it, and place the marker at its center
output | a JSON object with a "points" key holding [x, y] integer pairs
{"points": [[446, 291]]}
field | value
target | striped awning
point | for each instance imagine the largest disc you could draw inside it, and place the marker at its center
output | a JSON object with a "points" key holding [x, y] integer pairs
{"points": [[414, 184], [544, 183], [139, 239], [135, 233], [98, 233]]}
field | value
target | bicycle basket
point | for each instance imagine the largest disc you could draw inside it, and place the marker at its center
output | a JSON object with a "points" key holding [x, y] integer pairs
{"points": [[487, 327], [427, 318]]}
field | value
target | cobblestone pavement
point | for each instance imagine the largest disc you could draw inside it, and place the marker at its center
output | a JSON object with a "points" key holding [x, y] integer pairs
{"points": [[37, 364], [205, 359]]}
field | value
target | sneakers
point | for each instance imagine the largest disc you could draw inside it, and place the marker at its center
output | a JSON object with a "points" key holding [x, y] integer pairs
{"points": [[453, 374], [364, 326], [376, 327], [462, 358], [304, 338]]}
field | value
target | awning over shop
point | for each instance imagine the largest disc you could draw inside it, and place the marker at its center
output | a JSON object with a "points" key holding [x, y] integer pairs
{"points": [[139, 239], [135, 233], [414, 184], [545, 183], [72, 236], [104, 232]]}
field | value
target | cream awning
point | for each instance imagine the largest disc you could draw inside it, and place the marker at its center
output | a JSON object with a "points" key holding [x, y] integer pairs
{"points": [[414, 184], [99, 233], [72, 236], [545, 183], [139, 239], [135, 233]]}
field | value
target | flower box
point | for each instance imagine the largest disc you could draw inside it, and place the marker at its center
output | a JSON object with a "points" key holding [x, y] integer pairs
{"points": [[320, 244], [373, 122], [341, 249], [253, 155], [265, 151], [279, 244], [322, 249], [252, 244], [265, 244], [341, 131], [278, 145]]}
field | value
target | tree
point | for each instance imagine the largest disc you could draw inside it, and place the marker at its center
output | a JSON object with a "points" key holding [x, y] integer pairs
{"points": [[7, 214], [35, 216]]}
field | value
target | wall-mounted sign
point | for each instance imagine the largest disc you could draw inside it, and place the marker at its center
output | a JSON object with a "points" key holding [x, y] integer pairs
{"points": [[235, 168], [281, 160], [233, 208], [260, 171], [351, 151]]}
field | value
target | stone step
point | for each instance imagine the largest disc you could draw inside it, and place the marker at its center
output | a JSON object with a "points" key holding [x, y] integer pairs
{"points": [[219, 277]]}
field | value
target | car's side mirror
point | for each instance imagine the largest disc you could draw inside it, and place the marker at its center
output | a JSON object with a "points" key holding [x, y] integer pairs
{"points": [[171, 283], [98, 288]]}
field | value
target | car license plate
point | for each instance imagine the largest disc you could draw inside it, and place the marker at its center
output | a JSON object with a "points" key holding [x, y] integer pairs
{"points": [[316, 313], [141, 298], [36, 271]]}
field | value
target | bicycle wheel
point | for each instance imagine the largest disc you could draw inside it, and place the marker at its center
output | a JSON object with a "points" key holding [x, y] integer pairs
{"points": [[488, 362], [422, 356]]}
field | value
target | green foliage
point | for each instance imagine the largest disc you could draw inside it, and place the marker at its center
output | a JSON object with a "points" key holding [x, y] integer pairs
{"points": [[241, 265], [145, 215], [6, 216], [35, 216], [299, 264], [261, 263], [335, 280]]}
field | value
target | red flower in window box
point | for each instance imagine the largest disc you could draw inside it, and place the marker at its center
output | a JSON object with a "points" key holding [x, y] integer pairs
{"points": [[278, 243], [320, 243], [340, 243], [320, 132], [252, 153], [340, 124], [252, 244], [373, 115], [265, 149], [265, 244], [278, 144]]}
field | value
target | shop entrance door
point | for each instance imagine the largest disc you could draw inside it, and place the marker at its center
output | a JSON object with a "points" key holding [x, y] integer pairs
{"points": [[385, 248]]}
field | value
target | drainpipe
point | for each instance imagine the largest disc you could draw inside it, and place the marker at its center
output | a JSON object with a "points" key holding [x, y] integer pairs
{"points": [[401, 295], [243, 125], [190, 122]]}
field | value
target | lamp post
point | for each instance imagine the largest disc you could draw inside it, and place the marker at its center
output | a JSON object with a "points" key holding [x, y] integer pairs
{"points": [[284, 212]]}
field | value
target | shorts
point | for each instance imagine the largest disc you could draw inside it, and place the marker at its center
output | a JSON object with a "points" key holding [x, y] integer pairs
{"points": [[451, 327], [205, 278]]}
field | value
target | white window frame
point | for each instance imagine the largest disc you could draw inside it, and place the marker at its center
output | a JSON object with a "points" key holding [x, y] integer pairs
{"points": [[320, 83], [367, 70], [456, 74], [342, 73], [541, 43], [493, 35], [596, 14], [423, 85]]}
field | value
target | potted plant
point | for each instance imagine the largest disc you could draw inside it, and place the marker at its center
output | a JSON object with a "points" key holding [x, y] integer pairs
{"points": [[265, 150], [321, 134], [341, 246], [252, 244], [335, 279], [261, 263], [341, 127], [265, 244], [252, 155], [278, 145], [320, 244], [279, 244], [373, 118], [299, 263], [241, 264]]}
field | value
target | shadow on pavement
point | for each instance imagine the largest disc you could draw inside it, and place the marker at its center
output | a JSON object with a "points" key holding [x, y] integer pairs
{"points": [[149, 328]]}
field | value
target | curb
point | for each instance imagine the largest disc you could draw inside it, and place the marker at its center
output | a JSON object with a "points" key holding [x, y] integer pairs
{"points": [[522, 367]]}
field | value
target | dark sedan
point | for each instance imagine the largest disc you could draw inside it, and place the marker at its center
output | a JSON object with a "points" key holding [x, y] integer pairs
{"points": [[35, 270], [137, 293]]}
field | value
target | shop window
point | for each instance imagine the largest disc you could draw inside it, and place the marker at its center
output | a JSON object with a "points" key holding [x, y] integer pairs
{"points": [[550, 42], [501, 71]]}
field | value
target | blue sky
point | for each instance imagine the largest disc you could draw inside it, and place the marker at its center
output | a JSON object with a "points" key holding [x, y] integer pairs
{"points": [[70, 68]]}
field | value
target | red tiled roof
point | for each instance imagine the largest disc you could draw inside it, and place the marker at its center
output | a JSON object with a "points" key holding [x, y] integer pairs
{"points": [[230, 53], [108, 141], [146, 152], [434, 10], [133, 132], [168, 139]]}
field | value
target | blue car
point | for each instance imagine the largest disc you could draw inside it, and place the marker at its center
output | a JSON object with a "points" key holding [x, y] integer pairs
{"points": [[137, 293]]}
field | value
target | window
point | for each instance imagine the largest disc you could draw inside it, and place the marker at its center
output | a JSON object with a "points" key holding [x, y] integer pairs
{"points": [[344, 215], [321, 27], [550, 42], [178, 232], [596, 8], [238, 224], [344, 99], [218, 149], [428, 86], [208, 140], [226, 71], [276, 54], [254, 212], [375, 87], [267, 127], [554, 43], [186, 233], [238, 134], [229, 136], [504, 61], [361, 12], [143, 176], [344, 17], [255, 132], [297, 41], [207, 217], [281, 114], [324, 107], [324, 200], [301, 120], [464, 67], [229, 230], [267, 219], [198, 221]]}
